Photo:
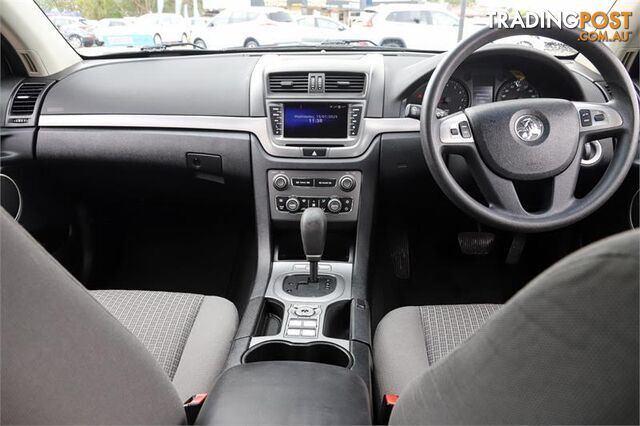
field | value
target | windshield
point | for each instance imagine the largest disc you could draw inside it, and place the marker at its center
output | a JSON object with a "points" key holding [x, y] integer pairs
{"points": [[102, 27]]}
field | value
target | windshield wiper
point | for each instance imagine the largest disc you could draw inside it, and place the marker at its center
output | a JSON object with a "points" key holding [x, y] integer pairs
{"points": [[347, 42], [164, 46]]}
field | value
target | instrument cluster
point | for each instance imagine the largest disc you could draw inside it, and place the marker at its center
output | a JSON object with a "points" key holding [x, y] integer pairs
{"points": [[471, 88]]}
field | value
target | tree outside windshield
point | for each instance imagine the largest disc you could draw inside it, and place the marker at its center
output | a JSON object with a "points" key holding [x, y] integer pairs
{"points": [[100, 27]]}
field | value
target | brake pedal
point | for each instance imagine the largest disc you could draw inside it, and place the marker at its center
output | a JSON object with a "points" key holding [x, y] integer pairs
{"points": [[476, 243]]}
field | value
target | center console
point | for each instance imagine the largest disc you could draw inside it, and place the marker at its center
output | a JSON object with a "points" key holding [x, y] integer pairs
{"points": [[302, 353]]}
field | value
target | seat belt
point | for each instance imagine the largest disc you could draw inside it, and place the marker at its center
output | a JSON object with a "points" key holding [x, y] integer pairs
{"points": [[193, 405]]}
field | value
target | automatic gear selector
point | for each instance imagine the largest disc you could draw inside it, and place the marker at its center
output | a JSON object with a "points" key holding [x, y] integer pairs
{"points": [[313, 230]]}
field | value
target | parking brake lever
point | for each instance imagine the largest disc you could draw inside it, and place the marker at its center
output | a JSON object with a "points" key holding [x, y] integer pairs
{"points": [[313, 229]]}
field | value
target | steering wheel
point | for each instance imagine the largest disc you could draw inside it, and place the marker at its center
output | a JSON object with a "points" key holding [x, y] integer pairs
{"points": [[530, 140]]}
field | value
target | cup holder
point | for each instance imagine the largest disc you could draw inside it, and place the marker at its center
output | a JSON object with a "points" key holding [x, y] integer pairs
{"points": [[324, 353]]}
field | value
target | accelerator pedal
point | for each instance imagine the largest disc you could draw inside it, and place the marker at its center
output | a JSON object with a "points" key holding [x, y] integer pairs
{"points": [[476, 243]]}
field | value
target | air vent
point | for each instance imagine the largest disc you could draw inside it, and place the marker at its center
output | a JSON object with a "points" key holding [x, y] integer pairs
{"points": [[289, 82], [29, 63], [344, 82], [25, 99]]}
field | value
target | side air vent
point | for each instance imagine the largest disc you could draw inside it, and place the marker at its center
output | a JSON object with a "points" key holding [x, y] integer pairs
{"points": [[25, 102], [25, 99], [344, 82], [289, 82], [29, 63]]}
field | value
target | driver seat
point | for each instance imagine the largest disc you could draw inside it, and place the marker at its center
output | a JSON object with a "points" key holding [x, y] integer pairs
{"points": [[564, 350]]}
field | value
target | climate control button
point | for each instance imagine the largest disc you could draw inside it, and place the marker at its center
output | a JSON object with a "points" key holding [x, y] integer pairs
{"points": [[293, 204], [280, 182], [334, 205], [347, 183]]}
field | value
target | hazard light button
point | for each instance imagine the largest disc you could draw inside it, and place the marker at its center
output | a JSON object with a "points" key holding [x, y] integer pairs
{"points": [[314, 152]]}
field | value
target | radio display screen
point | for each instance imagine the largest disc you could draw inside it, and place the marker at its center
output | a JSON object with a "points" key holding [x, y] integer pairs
{"points": [[315, 120]]}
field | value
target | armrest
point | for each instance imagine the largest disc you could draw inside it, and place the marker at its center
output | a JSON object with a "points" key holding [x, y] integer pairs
{"points": [[287, 393]]}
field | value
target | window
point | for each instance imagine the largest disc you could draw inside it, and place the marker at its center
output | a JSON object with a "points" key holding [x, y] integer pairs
{"points": [[327, 24], [279, 16], [238, 17], [307, 21], [439, 18], [406, 16]]}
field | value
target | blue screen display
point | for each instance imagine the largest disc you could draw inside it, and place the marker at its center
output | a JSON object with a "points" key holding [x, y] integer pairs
{"points": [[315, 120]]}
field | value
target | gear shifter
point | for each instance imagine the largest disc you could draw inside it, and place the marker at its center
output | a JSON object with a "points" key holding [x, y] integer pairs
{"points": [[313, 229]]}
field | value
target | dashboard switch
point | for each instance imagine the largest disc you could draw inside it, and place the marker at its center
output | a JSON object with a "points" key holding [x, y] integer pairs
{"points": [[293, 204], [324, 183], [302, 181], [314, 152], [347, 183], [334, 205], [280, 182]]}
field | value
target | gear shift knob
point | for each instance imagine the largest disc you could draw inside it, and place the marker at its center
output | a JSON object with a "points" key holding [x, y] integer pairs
{"points": [[313, 229]]}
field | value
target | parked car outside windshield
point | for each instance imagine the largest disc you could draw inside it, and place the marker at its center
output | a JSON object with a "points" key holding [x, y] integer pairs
{"points": [[101, 27]]}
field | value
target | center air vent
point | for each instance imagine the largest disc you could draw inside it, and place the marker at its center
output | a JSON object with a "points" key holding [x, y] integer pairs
{"points": [[289, 82], [344, 82], [25, 99]]}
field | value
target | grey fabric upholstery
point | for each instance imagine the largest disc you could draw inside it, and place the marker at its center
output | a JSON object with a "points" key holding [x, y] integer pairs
{"points": [[446, 327], [190, 335], [161, 321], [564, 350], [64, 358], [410, 339], [207, 348]]}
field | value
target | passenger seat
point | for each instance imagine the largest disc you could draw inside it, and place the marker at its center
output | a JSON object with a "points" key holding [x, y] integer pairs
{"points": [[65, 359]]}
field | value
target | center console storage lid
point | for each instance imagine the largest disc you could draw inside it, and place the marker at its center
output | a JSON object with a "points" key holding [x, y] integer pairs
{"points": [[287, 393]]}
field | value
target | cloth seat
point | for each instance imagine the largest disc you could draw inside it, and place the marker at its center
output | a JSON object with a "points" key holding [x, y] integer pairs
{"points": [[70, 356], [189, 335], [410, 339], [563, 350]]}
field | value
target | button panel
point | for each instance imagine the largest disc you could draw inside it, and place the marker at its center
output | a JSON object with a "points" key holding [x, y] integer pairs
{"points": [[275, 113], [355, 117], [291, 192], [300, 204], [303, 321]]}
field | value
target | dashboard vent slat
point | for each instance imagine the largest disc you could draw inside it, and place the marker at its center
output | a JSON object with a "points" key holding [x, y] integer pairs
{"points": [[26, 98], [289, 82], [344, 82]]}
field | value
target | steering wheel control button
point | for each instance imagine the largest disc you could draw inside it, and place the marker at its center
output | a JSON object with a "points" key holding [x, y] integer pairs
{"points": [[465, 130], [454, 131], [598, 116], [413, 111], [334, 205], [293, 204], [302, 181], [585, 117], [347, 183], [280, 182]]}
